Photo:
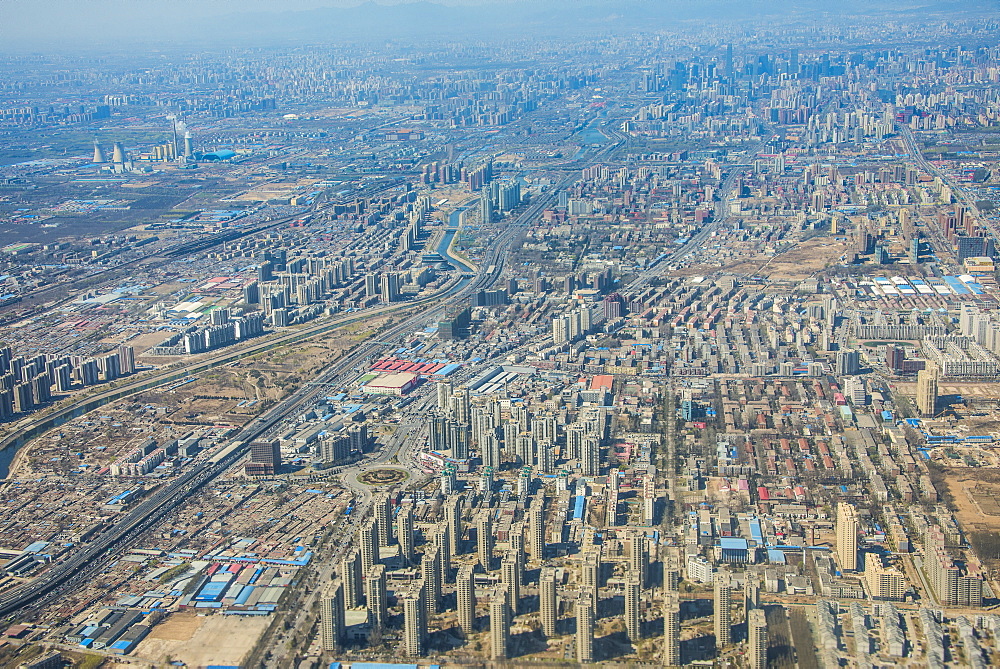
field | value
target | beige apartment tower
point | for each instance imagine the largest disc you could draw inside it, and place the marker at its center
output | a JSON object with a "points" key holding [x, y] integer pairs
{"points": [[847, 536], [484, 539], [465, 594], [453, 517], [350, 573], [585, 628], [632, 606], [671, 630], [548, 601], [414, 620], [723, 610], [499, 624], [510, 579], [369, 546], [536, 529], [377, 595], [927, 390], [404, 534], [757, 639], [332, 617]]}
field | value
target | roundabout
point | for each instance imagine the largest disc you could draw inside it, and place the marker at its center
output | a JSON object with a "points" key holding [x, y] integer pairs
{"points": [[382, 476]]}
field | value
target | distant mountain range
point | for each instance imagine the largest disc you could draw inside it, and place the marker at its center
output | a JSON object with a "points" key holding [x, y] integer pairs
{"points": [[99, 23]]}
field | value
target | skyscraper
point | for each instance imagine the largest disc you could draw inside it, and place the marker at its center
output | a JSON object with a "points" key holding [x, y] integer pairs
{"points": [[484, 539], [585, 628], [510, 578], [723, 610], [927, 389], [638, 557], [430, 572], [536, 529], [453, 516], [332, 616], [350, 574], [757, 639], [847, 536], [442, 542], [632, 606], [404, 534], [499, 624], [414, 620], [465, 594], [369, 545], [671, 630], [383, 516], [376, 593], [548, 602]]}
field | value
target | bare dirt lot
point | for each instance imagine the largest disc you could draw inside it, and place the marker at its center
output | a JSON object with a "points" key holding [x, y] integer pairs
{"points": [[798, 263], [974, 493], [200, 641]]}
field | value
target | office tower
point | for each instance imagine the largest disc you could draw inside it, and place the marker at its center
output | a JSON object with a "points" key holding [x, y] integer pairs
{"points": [[414, 620], [99, 156], [267, 454], [638, 557], [369, 546], [350, 574], [757, 639], [332, 616], [847, 536], [453, 516], [632, 605], [484, 538], [383, 517], [404, 534], [671, 630], [536, 529], [927, 390], [723, 611], [442, 542], [510, 579], [430, 572], [585, 628], [548, 602], [465, 594], [499, 624], [377, 596]]}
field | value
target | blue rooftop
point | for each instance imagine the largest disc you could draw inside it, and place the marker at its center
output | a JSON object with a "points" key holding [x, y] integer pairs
{"points": [[734, 544]]}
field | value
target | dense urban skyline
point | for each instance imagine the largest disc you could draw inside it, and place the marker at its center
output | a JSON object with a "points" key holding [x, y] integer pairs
{"points": [[498, 334]]}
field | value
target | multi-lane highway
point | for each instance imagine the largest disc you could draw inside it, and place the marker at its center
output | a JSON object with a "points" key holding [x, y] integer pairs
{"points": [[90, 558]]}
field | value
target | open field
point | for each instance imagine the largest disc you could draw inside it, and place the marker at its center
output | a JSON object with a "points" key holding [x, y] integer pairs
{"points": [[200, 641]]}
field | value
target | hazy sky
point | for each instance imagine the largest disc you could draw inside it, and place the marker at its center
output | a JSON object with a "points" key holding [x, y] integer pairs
{"points": [[44, 25]]}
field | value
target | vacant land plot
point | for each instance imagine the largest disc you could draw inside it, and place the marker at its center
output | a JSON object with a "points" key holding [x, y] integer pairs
{"points": [[200, 641]]}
